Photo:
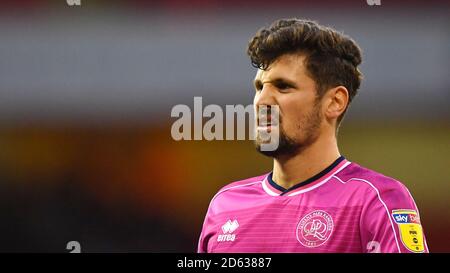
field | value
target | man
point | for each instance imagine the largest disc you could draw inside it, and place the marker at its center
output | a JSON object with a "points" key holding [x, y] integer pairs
{"points": [[314, 200]]}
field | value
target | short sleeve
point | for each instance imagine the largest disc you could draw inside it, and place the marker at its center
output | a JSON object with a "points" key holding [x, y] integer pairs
{"points": [[390, 221]]}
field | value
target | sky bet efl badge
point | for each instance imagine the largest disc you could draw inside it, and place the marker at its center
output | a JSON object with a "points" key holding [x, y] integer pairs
{"points": [[410, 229]]}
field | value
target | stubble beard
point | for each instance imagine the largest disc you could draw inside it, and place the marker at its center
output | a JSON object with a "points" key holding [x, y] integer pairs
{"points": [[289, 146]]}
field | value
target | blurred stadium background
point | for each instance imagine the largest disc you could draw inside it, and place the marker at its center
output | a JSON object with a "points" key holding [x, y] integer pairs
{"points": [[86, 93]]}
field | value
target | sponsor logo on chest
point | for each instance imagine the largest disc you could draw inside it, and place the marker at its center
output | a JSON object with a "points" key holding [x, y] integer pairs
{"points": [[228, 230]]}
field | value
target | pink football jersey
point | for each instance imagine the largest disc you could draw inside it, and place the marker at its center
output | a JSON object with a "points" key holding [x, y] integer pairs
{"points": [[344, 208]]}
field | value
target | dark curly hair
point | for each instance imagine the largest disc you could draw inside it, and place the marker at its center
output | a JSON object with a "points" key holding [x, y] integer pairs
{"points": [[331, 57]]}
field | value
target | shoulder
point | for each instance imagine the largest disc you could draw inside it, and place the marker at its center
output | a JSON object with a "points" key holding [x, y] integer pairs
{"points": [[375, 184], [241, 184], [233, 195]]}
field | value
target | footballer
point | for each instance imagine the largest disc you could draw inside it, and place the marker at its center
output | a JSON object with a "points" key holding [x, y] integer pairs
{"points": [[314, 199]]}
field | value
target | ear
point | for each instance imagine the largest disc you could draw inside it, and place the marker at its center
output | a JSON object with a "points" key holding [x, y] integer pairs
{"points": [[336, 102]]}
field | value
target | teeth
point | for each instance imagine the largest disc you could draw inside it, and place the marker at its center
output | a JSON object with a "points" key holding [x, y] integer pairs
{"points": [[267, 121], [268, 124], [268, 116]]}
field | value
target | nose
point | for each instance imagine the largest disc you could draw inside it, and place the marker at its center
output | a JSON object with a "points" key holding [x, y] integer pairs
{"points": [[265, 96]]}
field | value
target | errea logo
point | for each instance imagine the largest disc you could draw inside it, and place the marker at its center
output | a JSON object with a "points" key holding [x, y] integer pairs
{"points": [[228, 228]]}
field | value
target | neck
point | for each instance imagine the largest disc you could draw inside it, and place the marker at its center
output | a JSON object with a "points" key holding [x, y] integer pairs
{"points": [[313, 159]]}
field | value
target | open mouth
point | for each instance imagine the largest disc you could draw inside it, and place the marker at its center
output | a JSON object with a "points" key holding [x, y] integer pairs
{"points": [[267, 126], [267, 121], [267, 117]]}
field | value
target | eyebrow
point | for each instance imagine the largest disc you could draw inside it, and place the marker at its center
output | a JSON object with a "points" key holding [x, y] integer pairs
{"points": [[276, 81]]}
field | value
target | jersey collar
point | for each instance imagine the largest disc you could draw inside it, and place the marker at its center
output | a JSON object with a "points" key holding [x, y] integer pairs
{"points": [[317, 180]]}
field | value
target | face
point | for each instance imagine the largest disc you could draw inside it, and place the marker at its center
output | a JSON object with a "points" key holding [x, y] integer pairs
{"points": [[286, 84]]}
